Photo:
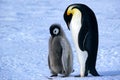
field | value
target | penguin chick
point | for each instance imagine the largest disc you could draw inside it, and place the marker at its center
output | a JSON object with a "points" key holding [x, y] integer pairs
{"points": [[60, 57]]}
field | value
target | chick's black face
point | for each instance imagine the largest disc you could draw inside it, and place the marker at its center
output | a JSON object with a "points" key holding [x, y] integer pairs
{"points": [[54, 30]]}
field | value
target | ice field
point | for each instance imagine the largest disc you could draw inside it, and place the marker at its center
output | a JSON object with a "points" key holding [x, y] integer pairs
{"points": [[24, 35]]}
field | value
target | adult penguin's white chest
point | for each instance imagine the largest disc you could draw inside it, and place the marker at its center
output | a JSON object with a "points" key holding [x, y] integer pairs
{"points": [[75, 27]]}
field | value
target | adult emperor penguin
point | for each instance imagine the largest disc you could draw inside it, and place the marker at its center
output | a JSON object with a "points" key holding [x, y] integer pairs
{"points": [[82, 23], [60, 58]]}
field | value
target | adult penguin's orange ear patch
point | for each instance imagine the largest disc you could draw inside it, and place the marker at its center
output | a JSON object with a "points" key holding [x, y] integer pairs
{"points": [[70, 11]]}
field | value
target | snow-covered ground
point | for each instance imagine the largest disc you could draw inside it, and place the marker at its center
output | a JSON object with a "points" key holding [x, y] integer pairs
{"points": [[24, 34]]}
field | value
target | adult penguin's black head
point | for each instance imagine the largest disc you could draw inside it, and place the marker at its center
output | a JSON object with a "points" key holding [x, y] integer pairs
{"points": [[67, 17], [69, 12], [73, 9]]}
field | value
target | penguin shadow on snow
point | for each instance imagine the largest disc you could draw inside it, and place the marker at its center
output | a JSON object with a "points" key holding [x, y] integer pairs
{"points": [[105, 73], [110, 73], [102, 74]]}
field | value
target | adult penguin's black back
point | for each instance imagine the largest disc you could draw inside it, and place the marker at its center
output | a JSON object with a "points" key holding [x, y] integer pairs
{"points": [[81, 21]]}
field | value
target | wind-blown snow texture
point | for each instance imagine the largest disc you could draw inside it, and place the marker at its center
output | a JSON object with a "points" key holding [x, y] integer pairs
{"points": [[24, 35]]}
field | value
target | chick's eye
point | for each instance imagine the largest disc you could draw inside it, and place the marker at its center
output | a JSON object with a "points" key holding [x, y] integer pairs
{"points": [[56, 31]]}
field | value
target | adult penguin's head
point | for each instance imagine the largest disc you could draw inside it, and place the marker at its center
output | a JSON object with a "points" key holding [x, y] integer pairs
{"points": [[70, 12]]}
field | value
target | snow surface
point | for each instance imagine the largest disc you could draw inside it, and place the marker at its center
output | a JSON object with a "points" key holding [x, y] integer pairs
{"points": [[24, 34]]}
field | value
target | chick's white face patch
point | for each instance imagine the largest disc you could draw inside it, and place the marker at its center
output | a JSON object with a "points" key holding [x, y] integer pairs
{"points": [[56, 31]]}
